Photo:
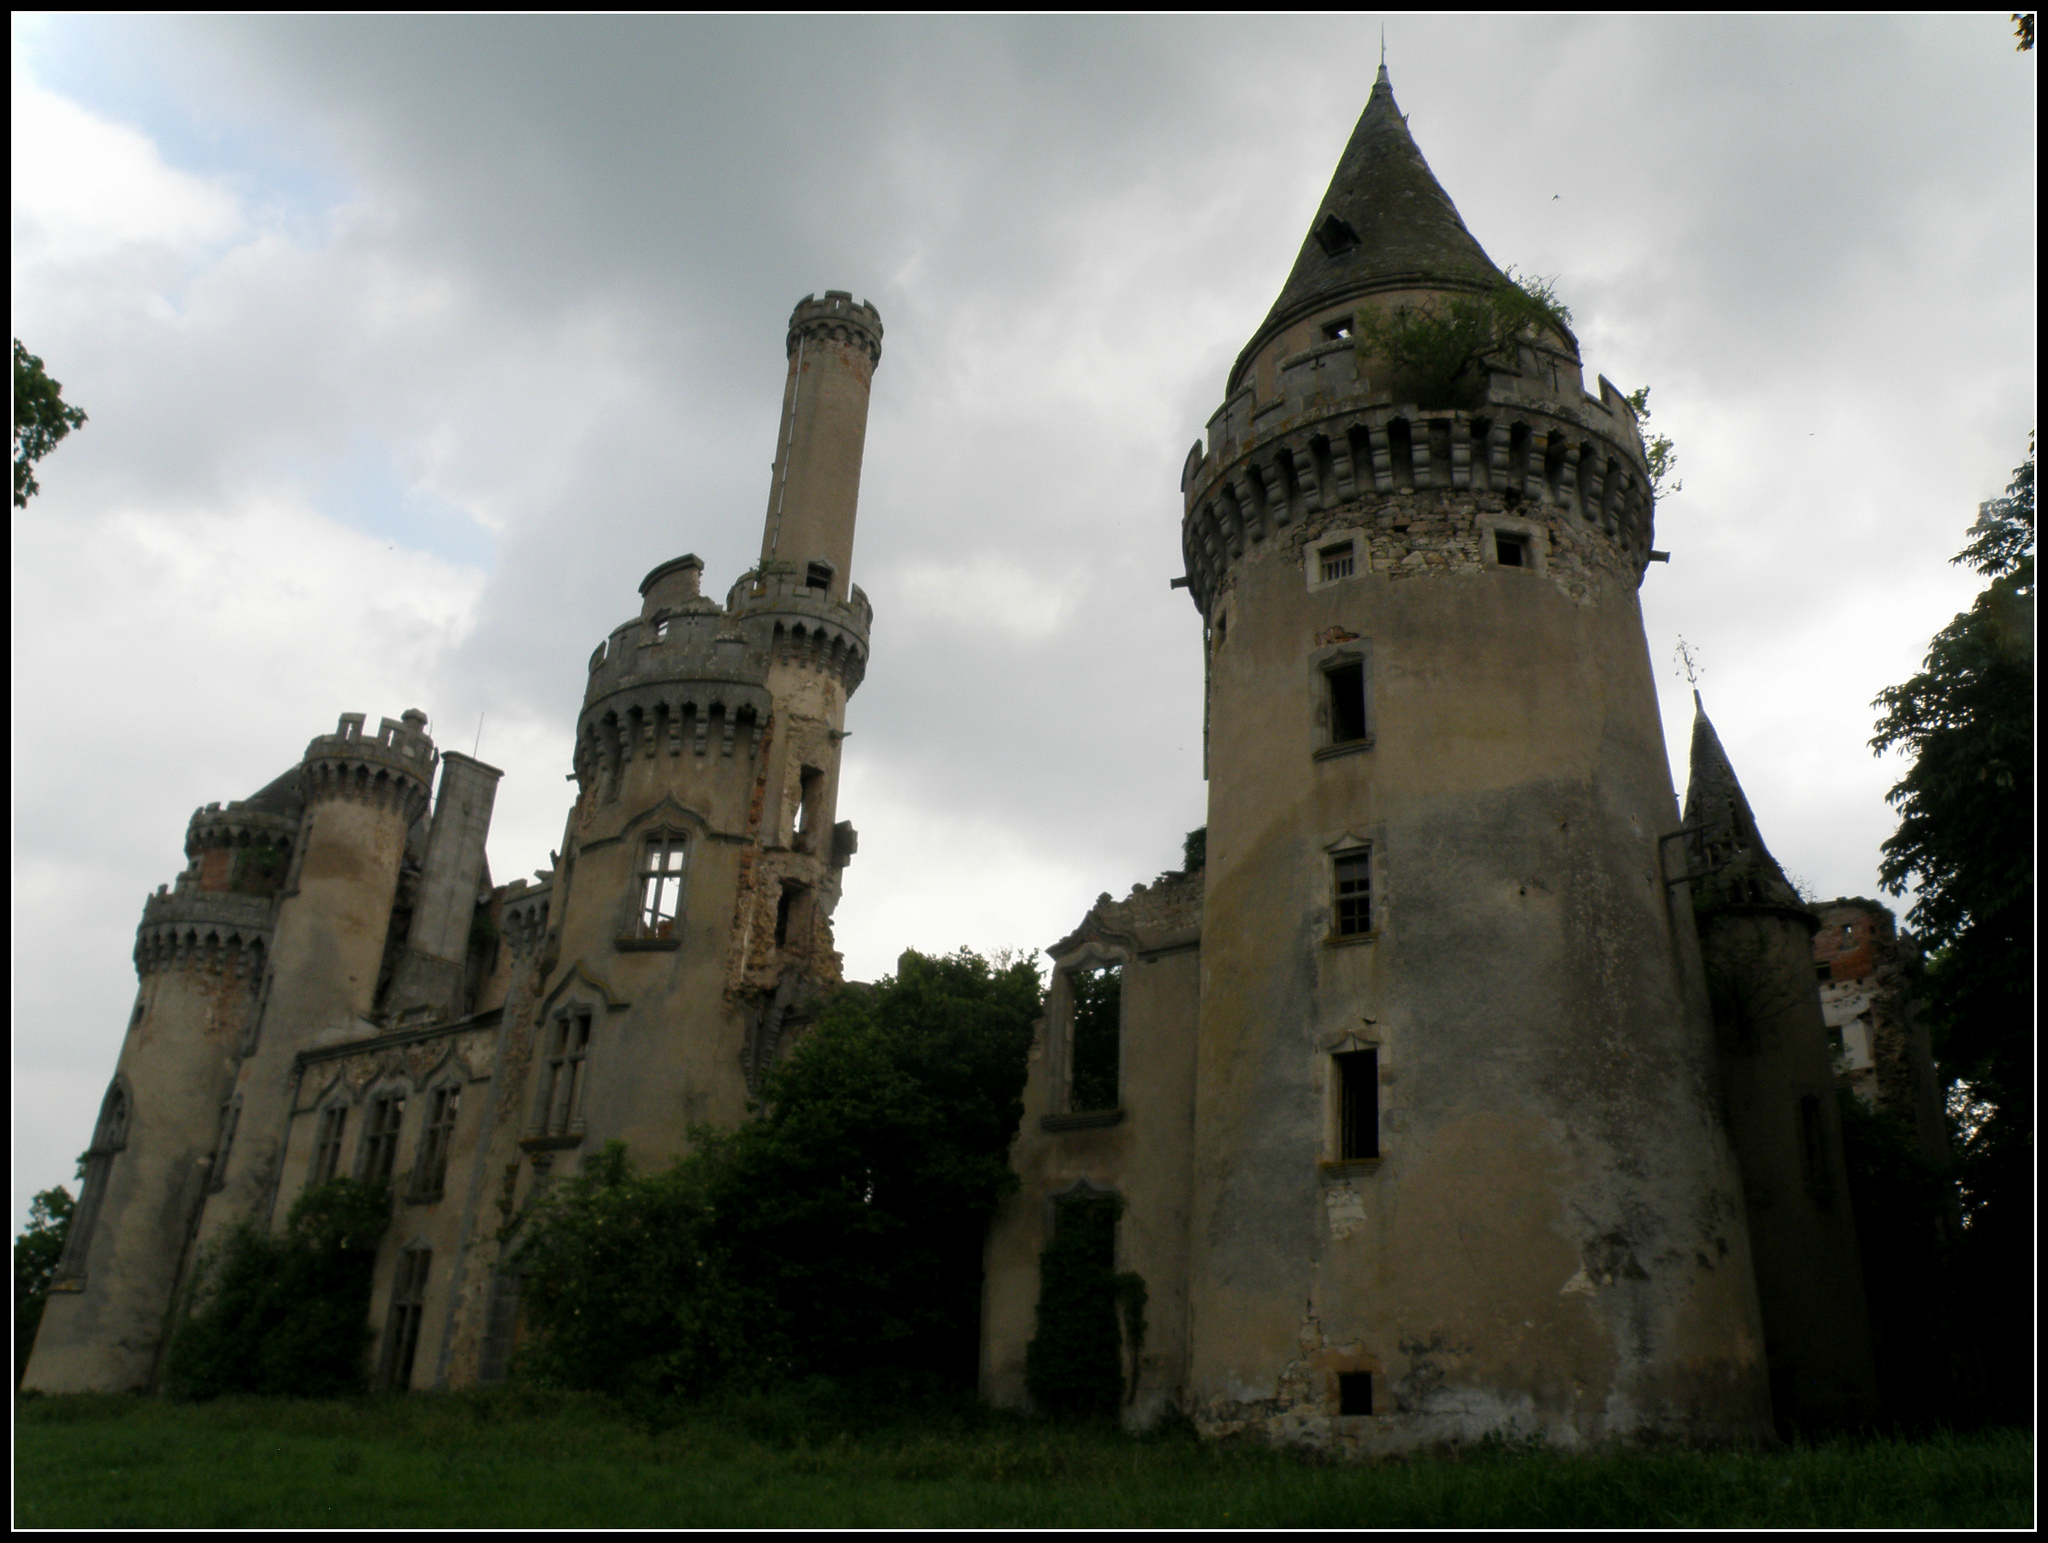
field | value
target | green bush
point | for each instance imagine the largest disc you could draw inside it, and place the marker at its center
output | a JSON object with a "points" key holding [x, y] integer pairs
{"points": [[837, 1235], [286, 1314], [1440, 351]]}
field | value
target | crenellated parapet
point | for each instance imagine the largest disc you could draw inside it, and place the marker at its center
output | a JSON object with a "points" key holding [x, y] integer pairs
{"points": [[837, 318], [234, 827], [526, 911], [1328, 443], [216, 931], [393, 769]]}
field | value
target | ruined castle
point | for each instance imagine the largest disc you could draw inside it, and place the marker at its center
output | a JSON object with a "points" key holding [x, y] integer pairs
{"points": [[1463, 1086]]}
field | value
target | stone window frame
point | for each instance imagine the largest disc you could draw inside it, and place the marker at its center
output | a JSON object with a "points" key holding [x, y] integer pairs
{"points": [[1059, 1010], [1312, 557], [1336, 1165], [1322, 663], [405, 1314], [1349, 843], [1084, 1191], [557, 1118], [652, 873], [436, 1145], [109, 1138], [383, 1133], [1534, 534], [330, 1137]]}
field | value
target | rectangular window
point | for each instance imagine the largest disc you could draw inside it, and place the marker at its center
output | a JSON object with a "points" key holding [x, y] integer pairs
{"points": [[380, 1139], [1094, 1048], [1347, 702], [1511, 551], [1338, 561], [810, 808], [561, 1106], [1354, 1392], [430, 1173], [408, 1306], [661, 886], [327, 1147], [1354, 893], [793, 917], [818, 576], [1358, 1105]]}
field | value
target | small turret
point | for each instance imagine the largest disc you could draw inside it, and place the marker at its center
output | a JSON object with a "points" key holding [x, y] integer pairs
{"points": [[834, 346]]}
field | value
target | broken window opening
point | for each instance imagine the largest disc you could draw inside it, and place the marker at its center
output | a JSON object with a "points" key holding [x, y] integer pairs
{"points": [[327, 1144], [793, 916], [809, 810], [1338, 561], [1335, 235], [1511, 551], [818, 576], [561, 1095], [1347, 701], [1337, 331], [430, 1173], [1358, 1105], [408, 1306], [661, 885], [1354, 1393], [1097, 1029], [380, 1139], [1354, 893]]}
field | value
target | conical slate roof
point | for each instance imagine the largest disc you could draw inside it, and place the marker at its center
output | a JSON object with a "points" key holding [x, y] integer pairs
{"points": [[280, 796], [1725, 850], [1385, 223]]}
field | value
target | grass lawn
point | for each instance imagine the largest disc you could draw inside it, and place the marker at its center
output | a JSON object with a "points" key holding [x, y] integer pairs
{"points": [[511, 1458]]}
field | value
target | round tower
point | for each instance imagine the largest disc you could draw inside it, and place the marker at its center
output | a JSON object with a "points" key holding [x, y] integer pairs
{"points": [[689, 929], [362, 794], [834, 346], [169, 1114], [1459, 1166]]}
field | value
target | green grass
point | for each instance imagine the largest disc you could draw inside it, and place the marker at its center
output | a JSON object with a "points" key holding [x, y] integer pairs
{"points": [[511, 1458]]}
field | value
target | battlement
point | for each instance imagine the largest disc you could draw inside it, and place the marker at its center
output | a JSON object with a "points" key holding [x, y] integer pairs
{"points": [[837, 319], [192, 927], [1326, 444], [232, 825], [394, 767]]}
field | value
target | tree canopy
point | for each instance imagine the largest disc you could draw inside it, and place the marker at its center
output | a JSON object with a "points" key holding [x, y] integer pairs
{"points": [[41, 420], [1439, 350], [838, 1233], [36, 1252]]}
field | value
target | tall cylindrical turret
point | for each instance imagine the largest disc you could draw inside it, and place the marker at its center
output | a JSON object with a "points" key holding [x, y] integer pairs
{"points": [[170, 1113], [834, 346]]}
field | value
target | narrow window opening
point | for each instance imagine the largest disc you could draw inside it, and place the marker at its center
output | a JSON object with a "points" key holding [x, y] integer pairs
{"points": [[1358, 1105], [327, 1145], [408, 1306], [1337, 561], [1354, 893], [810, 808], [1511, 551], [380, 1140], [793, 916], [431, 1174], [561, 1107], [1347, 702], [661, 885], [1824, 973], [818, 576], [1337, 331], [1354, 1393], [1098, 1022], [661, 632], [1222, 627]]}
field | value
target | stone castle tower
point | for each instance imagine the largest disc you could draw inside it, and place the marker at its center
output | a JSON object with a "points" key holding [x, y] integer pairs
{"points": [[1410, 1106], [336, 987]]}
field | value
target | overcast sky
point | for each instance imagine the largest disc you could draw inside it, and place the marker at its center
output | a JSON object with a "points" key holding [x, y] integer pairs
{"points": [[410, 345]]}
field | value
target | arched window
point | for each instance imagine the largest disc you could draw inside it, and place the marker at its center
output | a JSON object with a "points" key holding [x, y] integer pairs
{"points": [[327, 1143], [661, 885], [109, 1136], [559, 1110], [430, 1171]]}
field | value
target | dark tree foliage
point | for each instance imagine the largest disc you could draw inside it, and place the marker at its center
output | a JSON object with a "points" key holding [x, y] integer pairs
{"points": [[1966, 834], [1074, 1363], [41, 419], [1098, 1019], [1194, 851], [837, 1234], [36, 1253], [287, 1314], [1440, 350]]}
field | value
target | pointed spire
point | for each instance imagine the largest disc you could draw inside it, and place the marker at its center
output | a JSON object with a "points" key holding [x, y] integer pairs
{"points": [[1724, 849], [1384, 223]]}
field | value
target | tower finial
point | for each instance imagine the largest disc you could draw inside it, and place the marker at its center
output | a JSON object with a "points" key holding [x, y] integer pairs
{"points": [[1383, 81]]}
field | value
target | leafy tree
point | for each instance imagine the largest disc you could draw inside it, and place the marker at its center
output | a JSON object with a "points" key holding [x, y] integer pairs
{"points": [[41, 419], [1966, 833], [36, 1253], [287, 1314], [838, 1233], [1663, 459], [1439, 350]]}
